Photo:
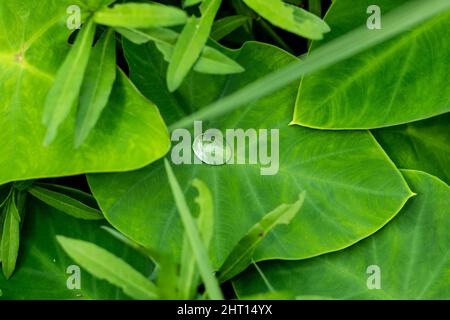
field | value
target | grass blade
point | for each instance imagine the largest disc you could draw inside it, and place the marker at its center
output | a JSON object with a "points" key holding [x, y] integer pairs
{"points": [[97, 86], [189, 276], [190, 44], [65, 203], [104, 265], [192, 233], [140, 15], [346, 46], [66, 86], [241, 256]]}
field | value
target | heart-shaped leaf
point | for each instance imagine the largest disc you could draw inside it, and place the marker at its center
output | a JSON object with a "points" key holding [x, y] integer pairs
{"points": [[408, 259], [130, 133], [377, 88], [353, 188]]}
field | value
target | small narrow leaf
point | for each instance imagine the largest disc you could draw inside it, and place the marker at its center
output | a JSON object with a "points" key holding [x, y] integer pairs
{"points": [[356, 41], [190, 3], [189, 276], [158, 35], [65, 203], [166, 275], [79, 195], [211, 61], [290, 18], [104, 265], [241, 256], [193, 235], [10, 238], [66, 87], [97, 86], [227, 25], [23, 185], [190, 44], [140, 15]]}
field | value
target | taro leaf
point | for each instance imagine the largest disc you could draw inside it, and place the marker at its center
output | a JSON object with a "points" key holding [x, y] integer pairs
{"points": [[67, 83], [97, 86], [189, 3], [399, 81], [65, 203], [10, 237], [165, 273], [353, 188], [105, 265], [242, 254], [412, 253], [290, 18], [422, 145], [225, 26], [129, 135], [211, 61], [190, 44], [42, 269], [140, 15]]}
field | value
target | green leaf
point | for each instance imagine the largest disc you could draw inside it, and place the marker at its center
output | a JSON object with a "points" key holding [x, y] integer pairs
{"points": [[66, 204], [158, 35], [350, 168], [411, 253], [190, 3], [23, 185], [44, 264], [76, 194], [189, 276], [290, 18], [140, 15], [346, 46], [10, 237], [97, 86], [67, 83], [190, 44], [211, 61], [193, 236], [390, 84], [423, 145], [104, 265], [129, 135], [241, 256], [223, 27]]}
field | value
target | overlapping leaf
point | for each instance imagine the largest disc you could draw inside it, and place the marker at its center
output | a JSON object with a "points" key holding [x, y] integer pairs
{"points": [[422, 145], [411, 257], [402, 80], [129, 134]]}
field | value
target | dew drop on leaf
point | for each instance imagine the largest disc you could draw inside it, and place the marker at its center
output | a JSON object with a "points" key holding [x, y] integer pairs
{"points": [[211, 150]]}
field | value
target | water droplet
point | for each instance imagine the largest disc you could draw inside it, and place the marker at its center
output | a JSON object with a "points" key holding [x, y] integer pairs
{"points": [[210, 150]]}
